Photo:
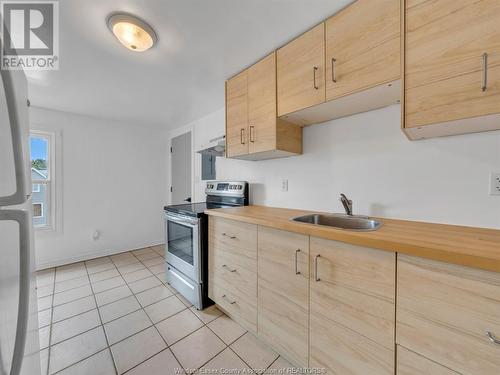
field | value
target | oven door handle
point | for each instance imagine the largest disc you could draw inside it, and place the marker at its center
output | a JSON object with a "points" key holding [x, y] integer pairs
{"points": [[181, 220]]}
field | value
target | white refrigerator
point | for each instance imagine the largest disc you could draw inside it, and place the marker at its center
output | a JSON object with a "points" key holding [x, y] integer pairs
{"points": [[19, 344]]}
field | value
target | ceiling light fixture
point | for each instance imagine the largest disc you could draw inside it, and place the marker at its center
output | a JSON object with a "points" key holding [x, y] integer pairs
{"points": [[132, 32]]}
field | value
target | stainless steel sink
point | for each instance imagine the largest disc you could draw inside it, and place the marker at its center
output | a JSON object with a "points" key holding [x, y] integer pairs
{"points": [[354, 223]]}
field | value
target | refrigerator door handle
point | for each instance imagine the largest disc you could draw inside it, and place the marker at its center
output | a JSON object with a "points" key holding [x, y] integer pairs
{"points": [[19, 196], [23, 218]]}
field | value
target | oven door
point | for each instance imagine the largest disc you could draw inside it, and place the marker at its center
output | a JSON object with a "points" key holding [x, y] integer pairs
{"points": [[182, 239]]}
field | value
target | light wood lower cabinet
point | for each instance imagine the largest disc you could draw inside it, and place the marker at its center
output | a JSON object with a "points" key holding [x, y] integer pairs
{"points": [[444, 312], [352, 308], [283, 292], [232, 269], [410, 363]]}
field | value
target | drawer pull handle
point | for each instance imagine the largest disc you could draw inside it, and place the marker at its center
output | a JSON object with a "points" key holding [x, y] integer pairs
{"points": [[228, 235], [297, 272], [484, 86], [492, 338], [228, 268], [252, 133], [316, 278], [334, 75], [242, 136], [228, 300], [315, 69]]}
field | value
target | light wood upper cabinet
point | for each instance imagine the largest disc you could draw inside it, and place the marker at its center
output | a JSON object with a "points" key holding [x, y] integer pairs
{"points": [[352, 313], [262, 105], [448, 77], [301, 71], [237, 115], [362, 47], [283, 292], [444, 312], [253, 130]]}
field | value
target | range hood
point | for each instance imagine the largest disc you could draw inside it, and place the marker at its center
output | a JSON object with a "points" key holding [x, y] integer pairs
{"points": [[215, 147]]}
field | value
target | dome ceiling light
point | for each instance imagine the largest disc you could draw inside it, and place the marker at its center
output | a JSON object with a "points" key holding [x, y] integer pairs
{"points": [[132, 32]]}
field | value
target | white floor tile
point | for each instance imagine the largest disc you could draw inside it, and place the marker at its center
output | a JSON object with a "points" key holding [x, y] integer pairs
{"points": [[254, 352], [136, 349], [143, 251], [126, 326], [112, 295], [132, 267], [44, 303], [153, 295], [162, 363], [70, 272], [228, 362], [153, 261], [44, 361], [95, 268], [144, 284], [74, 326], [184, 300], [104, 275], [77, 348], [281, 366], [71, 284], [146, 256], [98, 364], [44, 337], [72, 294], [208, 314], [44, 318], [119, 308], [137, 275], [179, 326], [73, 308], [227, 329], [45, 277], [44, 291], [159, 268], [114, 282], [164, 308], [197, 349]]}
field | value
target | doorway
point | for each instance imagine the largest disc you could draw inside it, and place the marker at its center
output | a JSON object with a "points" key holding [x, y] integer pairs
{"points": [[180, 162]]}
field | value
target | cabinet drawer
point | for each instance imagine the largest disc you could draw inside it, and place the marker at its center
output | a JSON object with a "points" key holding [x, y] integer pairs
{"points": [[232, 270], [242, 309], [410, 363], [343, 351], [356, 288], [233, 237], [444, 312]]}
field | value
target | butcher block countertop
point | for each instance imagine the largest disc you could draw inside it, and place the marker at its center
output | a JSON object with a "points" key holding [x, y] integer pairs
{"points": [[468, 246]]}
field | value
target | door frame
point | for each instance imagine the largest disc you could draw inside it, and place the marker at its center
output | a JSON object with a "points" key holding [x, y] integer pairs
{"points": [[175, 133]]}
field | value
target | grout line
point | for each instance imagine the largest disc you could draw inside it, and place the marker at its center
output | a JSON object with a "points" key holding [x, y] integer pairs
{"points": [[102, 324], [50, 326], [81, 360]]}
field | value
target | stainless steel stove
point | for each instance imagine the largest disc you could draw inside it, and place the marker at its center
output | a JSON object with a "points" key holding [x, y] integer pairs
{"points": [[186, 239]]}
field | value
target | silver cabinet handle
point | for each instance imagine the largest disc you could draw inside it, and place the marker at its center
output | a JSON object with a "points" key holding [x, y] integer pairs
{"points": [[242, 136], [228, 300], [228, 235], [316, 278], [485, 72], [334, 75], [492, 338], [252, 134], [228, 268], [297, 272], [315, 69]]}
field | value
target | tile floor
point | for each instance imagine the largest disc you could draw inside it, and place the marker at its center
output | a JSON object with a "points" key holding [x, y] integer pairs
{"points": [[117, 314]]}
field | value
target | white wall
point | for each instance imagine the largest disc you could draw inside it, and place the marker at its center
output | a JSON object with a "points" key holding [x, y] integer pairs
{"points": [[368, 158], [113, 180]]}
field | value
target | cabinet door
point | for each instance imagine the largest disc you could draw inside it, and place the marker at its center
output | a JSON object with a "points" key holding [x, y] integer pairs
{"points": [[301, 71], [362, 47], [410, 363], [262, 105], [283, 291], [444, 68], [237, 115], [352, 312]]}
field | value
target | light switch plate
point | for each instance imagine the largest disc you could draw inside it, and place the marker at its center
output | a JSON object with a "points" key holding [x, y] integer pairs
{"points": [[495, 184]]}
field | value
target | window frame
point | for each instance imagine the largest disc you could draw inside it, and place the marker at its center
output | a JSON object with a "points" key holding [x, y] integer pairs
{"points": [[37, 190], [52, 221]]}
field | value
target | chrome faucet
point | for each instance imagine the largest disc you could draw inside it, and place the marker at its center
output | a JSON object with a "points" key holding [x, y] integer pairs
{"points": [[347, 203]]}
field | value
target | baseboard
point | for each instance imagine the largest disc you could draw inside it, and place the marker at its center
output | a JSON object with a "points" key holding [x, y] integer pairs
{"points": [[92, 255]]}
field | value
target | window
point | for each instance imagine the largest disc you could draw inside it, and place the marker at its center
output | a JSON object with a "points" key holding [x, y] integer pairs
{"points": [[41, 149]]}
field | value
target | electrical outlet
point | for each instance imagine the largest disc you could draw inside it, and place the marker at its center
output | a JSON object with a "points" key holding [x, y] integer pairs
{"points": [[284, 185], [495, 184]]}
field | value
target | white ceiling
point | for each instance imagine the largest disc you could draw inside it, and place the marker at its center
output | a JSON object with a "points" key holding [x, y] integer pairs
{"points": [[201, 43]]}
